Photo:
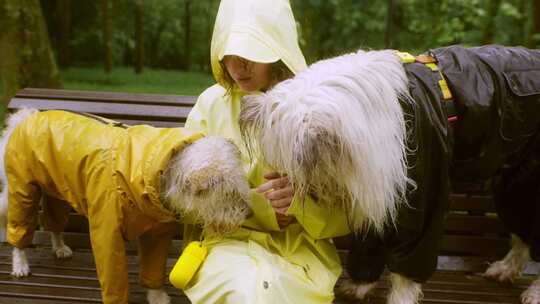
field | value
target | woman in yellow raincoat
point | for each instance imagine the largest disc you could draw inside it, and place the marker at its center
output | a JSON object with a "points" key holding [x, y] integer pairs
{"points": [[284, 253]]}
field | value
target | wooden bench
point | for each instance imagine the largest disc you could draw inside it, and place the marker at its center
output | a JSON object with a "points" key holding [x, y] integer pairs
{"points": [[473, 234]]}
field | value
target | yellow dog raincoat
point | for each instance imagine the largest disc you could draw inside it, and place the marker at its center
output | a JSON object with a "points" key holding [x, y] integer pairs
{"points": [[107, 172]]}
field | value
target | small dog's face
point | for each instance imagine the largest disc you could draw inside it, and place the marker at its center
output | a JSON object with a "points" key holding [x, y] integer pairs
{"points": [[297, 143], [220, 200], [206, 181], [337, 130]]}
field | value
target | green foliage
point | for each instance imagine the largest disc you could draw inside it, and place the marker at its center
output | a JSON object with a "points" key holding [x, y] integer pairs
{"points": [[326, 27], [164, 31], [512, 15]]}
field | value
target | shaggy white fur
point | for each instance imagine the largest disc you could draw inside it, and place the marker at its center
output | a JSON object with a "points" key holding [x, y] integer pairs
{"points": [[338, 130], [404, 290], [206, 181], [157, 296], [511, 266], [349, 289], [532, 294], [19, 263], [61, 250]]}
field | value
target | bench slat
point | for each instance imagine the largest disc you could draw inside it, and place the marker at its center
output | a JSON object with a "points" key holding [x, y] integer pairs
{"points": [[475, 203], [483, 246], [132, 98], [474, 224], [82, 241], [155, 123], [110, 110]]}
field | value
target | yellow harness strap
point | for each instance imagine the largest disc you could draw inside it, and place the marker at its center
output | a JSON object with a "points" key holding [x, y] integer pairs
{"points": [[431, 63]]}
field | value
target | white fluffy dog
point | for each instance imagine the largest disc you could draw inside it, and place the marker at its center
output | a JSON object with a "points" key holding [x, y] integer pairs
{"points": [[323, 129], [303, 127], [203, 180], [369, 134]]}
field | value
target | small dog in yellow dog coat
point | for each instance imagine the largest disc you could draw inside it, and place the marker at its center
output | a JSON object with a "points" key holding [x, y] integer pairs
{"points": [[130, 182]]}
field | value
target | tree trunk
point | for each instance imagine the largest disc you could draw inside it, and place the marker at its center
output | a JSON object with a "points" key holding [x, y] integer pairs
{"points": [[534, 33], [390, 16], [107, 35], [64, 31], [187, 34], [489, 30], [139, 37], [522, 25], [26, 59]]}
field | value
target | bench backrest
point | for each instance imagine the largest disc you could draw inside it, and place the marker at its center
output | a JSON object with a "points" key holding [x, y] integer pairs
{"points": [[129, 108], [471, 227]]}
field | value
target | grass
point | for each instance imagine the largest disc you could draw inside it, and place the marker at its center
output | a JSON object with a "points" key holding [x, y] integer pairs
{"points": [[124, 79]]}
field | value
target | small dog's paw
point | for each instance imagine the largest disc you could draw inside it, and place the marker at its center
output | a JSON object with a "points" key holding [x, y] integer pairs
{"points": [[531, 295], [20, 267], [20, 270], [351, 290], [63, 252], [502, 272], [404, 290], [157, 296]]}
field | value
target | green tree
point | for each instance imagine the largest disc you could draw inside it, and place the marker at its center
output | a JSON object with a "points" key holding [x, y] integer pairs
{"points": [[534, 34], [106, 20], [187, 34], [25, 51], [489, 27], [63, 14], [139, 36]]}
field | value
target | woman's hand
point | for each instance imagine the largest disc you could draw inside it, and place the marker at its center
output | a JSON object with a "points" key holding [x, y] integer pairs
{"points": [[279, 191]]}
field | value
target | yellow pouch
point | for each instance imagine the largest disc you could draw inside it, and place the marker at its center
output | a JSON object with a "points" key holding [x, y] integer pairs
{"points": [[187, 265]]}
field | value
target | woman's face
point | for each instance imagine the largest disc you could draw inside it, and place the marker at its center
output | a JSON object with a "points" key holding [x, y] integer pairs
{"points": [[248, 75]]}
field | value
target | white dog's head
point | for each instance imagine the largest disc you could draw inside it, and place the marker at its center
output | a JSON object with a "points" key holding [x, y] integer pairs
{"points": [[338, 131], [206, 180]]}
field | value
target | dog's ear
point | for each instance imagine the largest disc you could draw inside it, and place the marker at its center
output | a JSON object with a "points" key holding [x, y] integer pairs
{"points": [[250, 111], [251, 119]]}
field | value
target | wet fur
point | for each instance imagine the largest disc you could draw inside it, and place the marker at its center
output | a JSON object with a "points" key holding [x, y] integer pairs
{"points": [[318, 129]]}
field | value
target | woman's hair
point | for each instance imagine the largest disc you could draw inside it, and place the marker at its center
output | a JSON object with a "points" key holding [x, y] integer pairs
{"points": [[278, 72]]}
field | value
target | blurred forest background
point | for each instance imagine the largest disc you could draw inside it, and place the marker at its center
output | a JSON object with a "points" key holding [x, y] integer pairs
{"points": [[162, 46]]}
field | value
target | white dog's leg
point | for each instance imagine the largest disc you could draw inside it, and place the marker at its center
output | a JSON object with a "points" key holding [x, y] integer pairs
{"points": [[353, 290], [20, 267], [532, 294], [157, 296], [3, 211], [404, 290], [61, 250], [507, 269]]}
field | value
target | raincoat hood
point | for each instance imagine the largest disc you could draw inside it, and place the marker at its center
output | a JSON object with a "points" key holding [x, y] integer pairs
{"points": [[259, 30]]}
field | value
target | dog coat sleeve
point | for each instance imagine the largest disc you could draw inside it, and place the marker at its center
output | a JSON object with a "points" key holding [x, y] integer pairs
{"points": [[110, 256], [23, 194], [153, 250]]}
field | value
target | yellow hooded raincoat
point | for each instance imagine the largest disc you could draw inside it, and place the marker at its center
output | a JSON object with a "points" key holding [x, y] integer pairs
{"points": [[261, 263], [109, 173]]}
